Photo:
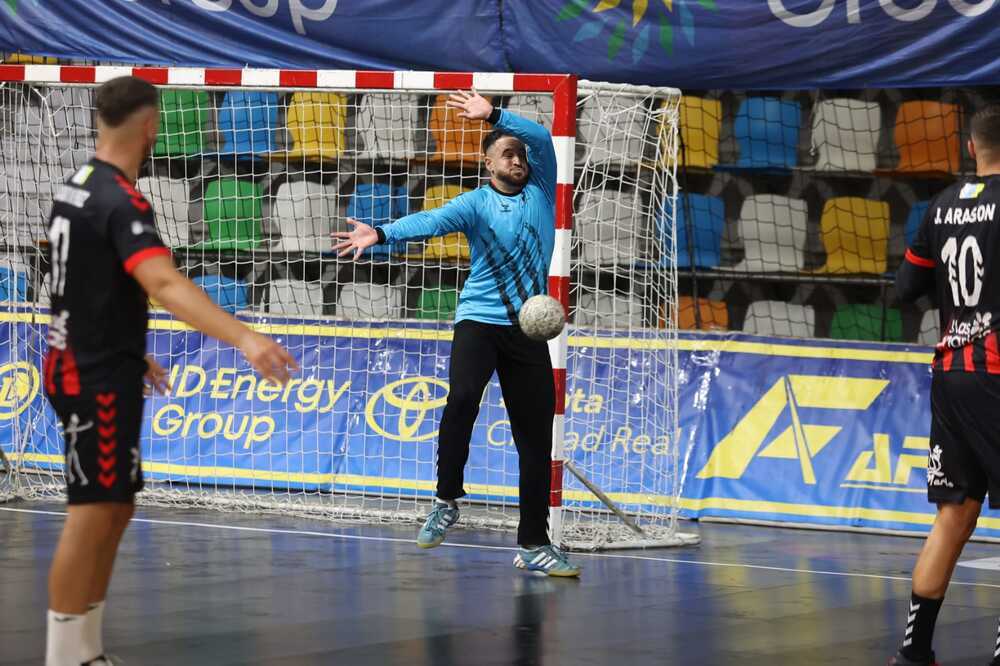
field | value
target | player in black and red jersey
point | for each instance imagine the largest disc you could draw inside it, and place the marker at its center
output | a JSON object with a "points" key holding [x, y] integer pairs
{"points": [[956, 255], [106, 257]]}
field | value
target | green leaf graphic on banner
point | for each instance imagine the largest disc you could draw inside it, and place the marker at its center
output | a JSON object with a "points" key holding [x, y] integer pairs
{"points": [[570, 10], [666, 36], [708, 4], [617, 39], [13, 6]]}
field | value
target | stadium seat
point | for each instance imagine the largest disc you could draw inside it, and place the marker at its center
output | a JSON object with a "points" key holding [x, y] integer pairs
{"points": [[229, 294], [773, 230], [855, 234], [913, 220], [927, 137], [605, 224], [377, 204], [14, 278], [437, 304], [247, 120], [864, 322], [295, 297], [70, 132], [25, 59], [232, 213], [453, 247], [455, 139], [533, 107], [303, 213], [604, 309], [767, 131], [25, 217], [316, 122], [701, 314], [184, 117], [611, 131], [700, 127], [362, 300], [386, 126], [780, 318], [845, 134], [700, 221], [930, 328], [169, 199]]}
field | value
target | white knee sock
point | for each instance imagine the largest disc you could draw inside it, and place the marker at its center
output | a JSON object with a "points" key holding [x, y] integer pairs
{"points": [[93, 623], [64, 639]]}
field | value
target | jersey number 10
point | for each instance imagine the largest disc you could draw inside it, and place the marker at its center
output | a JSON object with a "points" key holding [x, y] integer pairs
{"points": [[958, 261]]}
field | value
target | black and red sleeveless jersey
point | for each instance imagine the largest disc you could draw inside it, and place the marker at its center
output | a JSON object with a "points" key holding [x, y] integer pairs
{"points": [[956, 252], [100, 229]]}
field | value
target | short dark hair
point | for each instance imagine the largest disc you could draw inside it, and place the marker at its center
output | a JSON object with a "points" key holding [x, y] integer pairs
{"points": [[986, 127], [495, 135], [119, 98]]}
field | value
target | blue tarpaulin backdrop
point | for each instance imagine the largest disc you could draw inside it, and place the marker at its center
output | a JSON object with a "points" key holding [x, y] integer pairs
{"points": [[685, 43]]}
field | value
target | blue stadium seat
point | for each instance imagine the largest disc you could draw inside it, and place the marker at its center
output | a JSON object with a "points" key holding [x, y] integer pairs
{"points": [[705, 224], [13, 285], [247, 121], [914, 219], [376, 204], [767, 130], [229, 294]]}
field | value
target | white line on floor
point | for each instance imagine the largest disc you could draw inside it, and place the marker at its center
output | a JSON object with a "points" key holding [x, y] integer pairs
{"points": [[617, 556]]}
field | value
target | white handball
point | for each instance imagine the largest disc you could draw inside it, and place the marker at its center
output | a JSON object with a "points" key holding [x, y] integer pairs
{"points": [[542, 317]]}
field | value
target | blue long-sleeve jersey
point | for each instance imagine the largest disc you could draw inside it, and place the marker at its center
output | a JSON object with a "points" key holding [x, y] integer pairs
{"points": [[510, 237]]}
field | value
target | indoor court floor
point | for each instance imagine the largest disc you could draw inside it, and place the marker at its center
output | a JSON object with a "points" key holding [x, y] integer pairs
{"points": [[198, 588]]}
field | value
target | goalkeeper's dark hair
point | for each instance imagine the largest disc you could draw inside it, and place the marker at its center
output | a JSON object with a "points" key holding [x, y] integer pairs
{"points": [[119, 98], [495, 135], [986, 127]]}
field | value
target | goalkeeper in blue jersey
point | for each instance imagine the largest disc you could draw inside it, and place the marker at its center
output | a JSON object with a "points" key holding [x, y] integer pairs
{"points": [[510, 225]]}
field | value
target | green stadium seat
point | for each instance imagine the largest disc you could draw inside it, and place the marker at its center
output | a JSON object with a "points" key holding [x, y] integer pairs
{"points": [[184, 115], [864, 322], [437, 304], [232, 214]]}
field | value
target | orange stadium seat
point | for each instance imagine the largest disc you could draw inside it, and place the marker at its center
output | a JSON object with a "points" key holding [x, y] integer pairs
{"points": [[455, 139], [927, 137]]}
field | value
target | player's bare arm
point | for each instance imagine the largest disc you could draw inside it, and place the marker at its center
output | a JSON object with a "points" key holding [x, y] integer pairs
{"points": [[160, 279]]}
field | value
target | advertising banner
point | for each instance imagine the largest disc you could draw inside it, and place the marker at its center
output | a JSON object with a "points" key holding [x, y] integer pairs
{"points": [[692, 44], [781, 430]]}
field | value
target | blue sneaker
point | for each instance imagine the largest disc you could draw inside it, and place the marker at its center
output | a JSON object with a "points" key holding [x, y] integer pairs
{"points": [[438, 521], [547, 560]]}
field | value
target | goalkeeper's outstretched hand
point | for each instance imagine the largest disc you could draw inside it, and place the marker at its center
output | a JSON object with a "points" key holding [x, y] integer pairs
{"points": [[472, 105], [357, 239]]}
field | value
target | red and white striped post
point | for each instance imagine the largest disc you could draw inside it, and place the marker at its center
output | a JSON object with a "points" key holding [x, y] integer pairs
{"points": [[564, 140]]}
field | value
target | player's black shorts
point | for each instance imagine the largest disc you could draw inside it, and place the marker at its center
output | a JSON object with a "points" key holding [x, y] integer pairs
{"points": [[101, 433], [964, 456]]}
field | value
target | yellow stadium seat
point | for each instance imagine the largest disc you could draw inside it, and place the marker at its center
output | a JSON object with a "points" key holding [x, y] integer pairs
{"points": [[455, 139], [700, 126], [25, 59], [454, 246], [855, 234], [316, 122], [927, 137]]}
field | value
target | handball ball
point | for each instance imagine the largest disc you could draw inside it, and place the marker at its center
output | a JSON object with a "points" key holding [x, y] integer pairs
{"points": [[542, 317]]}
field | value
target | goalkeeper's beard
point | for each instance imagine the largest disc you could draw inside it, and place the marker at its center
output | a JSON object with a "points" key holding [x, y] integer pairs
{"points": [[512, 181]]}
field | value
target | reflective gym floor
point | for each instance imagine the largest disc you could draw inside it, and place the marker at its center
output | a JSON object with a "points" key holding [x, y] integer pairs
{"points": [[205, 588]]}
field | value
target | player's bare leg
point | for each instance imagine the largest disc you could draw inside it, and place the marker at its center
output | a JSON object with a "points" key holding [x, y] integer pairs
{"points": [[953, 526], [78, 579]]}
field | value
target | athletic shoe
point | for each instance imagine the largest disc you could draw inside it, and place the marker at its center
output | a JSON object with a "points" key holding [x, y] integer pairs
{"points": [[901, 660], [104, 660], [438, 521], [547, 560]]}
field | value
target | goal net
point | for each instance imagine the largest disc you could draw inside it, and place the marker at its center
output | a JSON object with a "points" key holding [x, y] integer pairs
{"points": [[252, 172]]}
